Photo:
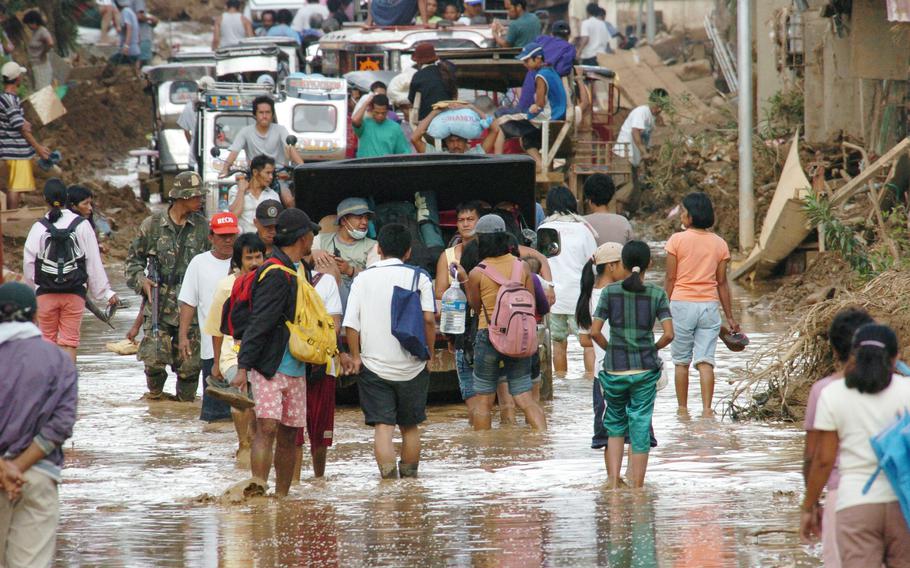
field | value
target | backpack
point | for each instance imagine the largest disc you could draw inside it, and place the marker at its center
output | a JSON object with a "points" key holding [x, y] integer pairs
{"points": [[407, 318], [60, 264], [313, 338], [892, 448], [513, 327], [235, 313]]}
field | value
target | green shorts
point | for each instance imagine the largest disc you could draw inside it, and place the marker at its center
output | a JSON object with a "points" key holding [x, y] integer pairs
{"points": [[562, 326]]}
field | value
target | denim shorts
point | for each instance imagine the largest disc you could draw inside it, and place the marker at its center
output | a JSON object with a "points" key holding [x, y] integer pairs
{"points": [[696, 326], [465, 375], [487, 370]]}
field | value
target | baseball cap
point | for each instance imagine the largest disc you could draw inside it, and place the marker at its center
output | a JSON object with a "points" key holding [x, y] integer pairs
{"points": [[607, 253], [489, 224], [12, 70], [560, 28], [17, 302], [267, 212], [530, 50], [224, 223], [295, 223], [352, 206]]}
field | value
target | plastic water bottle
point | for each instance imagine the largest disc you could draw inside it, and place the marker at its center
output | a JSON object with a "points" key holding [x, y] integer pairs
{"points": [[454, 310]]}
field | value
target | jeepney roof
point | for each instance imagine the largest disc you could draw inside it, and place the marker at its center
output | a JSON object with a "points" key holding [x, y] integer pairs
{"points": [[282, 41], [178, 71], [191, 54], [315, 84], [405, 37], [362, 80], [234, 96], [237, 51]]}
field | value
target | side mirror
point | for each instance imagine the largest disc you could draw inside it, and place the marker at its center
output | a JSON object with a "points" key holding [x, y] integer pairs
{"points": [[291, 140], [215, 152], [548, 242]]}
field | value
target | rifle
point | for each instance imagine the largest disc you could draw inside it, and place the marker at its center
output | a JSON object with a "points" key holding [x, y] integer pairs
{"points": [[154, 276]]}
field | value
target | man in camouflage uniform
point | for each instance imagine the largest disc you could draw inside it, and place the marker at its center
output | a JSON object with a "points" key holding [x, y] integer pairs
{"points": [[173, 237]]}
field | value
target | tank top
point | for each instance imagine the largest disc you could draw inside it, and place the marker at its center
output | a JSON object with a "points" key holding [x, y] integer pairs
{"points": [[488, 289], [232, 30]]}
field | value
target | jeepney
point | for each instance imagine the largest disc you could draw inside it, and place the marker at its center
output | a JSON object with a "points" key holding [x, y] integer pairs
{"points": [[172, 86], [287, 45], [245, 64], [315, 111], [453, 179], [221, 113], [389, 49], [192, 55]]}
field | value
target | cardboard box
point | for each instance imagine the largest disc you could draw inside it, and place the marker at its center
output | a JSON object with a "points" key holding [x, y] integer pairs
{"points": [[43, 107]]}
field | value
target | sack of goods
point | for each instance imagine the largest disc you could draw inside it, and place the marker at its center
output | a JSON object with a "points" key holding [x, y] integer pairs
{"points": [[462, 122]]}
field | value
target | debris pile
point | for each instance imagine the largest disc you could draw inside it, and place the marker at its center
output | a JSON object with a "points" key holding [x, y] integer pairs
{"points": [[776, 382]]}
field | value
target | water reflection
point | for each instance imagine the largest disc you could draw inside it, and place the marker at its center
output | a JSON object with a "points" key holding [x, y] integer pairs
{"points": [[715, 491]]}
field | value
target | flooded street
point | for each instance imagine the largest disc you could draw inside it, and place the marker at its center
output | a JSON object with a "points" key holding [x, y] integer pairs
{"points": [[717, 493]]}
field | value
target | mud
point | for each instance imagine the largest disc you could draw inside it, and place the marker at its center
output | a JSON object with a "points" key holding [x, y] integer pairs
{"points": [[144, 485]]}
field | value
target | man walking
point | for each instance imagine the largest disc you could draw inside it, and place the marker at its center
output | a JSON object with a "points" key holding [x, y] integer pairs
{"points": [[197, 293], [277, 378], [393, 384], [169, 240], [39, 396], [17, 144]]}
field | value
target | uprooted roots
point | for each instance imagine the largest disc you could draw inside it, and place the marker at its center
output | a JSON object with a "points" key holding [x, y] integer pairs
{"points": [[777, 380]]}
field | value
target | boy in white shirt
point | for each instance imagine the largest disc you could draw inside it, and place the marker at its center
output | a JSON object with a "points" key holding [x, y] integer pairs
{"points": [[393, 383]]}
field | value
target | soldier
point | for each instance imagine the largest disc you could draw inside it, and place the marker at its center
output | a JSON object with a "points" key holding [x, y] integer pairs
{"points": [[172, 238]]}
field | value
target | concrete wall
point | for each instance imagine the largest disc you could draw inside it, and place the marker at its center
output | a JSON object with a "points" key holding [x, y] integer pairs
{"points": [[689, 14], [768, 80]]}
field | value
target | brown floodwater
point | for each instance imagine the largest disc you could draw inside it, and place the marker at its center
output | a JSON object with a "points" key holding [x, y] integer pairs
{"points": [[717, 493]]}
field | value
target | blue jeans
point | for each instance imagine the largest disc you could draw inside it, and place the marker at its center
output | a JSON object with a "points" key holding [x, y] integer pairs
{"points": [[465, 375], [600, 438], [487, 372], [212, 408], [696, 326]]}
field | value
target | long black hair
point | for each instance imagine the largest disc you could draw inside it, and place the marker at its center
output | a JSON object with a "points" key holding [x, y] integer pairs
{"points": [[491, 245], [55, 196], [636, 257], [589, 274], [246, 242], [561, 200], [871, 361]]}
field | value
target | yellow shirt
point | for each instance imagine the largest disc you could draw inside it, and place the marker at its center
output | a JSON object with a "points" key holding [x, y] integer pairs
{"points": [[488, 289], [212, 325]]}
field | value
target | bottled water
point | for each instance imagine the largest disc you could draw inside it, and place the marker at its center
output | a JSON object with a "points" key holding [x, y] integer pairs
{"points": [[454, 310]]}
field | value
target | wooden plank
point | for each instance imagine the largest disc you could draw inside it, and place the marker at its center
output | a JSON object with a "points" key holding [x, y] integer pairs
{"points": [[858, 183]]}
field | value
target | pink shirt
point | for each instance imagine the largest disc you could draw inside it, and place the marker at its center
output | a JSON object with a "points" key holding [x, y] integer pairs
{"points": [[697, 255], [809, 424]]}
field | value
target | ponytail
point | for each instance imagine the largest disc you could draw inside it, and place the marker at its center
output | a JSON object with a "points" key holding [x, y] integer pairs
{"points": [[55, 197], [583, 307], [636, 257], [870, 367]]}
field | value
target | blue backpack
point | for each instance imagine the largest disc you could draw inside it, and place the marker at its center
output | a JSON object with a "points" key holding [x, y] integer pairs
{"points": [[892, 448], [407, 318]]}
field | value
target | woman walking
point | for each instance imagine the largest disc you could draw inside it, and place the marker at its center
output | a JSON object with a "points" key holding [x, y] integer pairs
{"points": [[697, 285], [631, 366], [871, 531], [577, 244], [63, 263]]}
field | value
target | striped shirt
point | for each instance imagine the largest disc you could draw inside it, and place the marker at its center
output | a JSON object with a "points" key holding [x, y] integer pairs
{"points": [[13, 146]]}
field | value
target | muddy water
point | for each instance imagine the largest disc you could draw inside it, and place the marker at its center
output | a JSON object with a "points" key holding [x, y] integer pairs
{"points": [[718, 493]]}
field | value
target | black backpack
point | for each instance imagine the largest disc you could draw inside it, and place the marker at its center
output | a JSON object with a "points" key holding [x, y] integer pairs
{"points": [[60, 265]]}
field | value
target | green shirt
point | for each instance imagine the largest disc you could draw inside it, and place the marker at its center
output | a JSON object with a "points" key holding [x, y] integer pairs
{"points": [[632, 316], [380, 139], [523, 30]]}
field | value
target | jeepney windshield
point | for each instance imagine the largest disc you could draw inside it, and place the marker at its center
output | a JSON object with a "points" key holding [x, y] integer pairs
{"points": [[227, 126], [315, 118], [182, 91]]}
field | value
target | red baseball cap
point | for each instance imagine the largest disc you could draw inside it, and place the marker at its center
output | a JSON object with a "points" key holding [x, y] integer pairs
{"points": [[224, 223]]}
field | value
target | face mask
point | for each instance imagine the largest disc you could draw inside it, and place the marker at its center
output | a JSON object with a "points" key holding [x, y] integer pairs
{"points": [[356, 234]]}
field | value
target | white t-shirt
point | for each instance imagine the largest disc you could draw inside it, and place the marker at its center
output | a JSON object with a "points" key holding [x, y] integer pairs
{"points": [[856, 417], [250, 202], [369, 311], [327, 288], [605, 330], [640, 118], [598, 38], [305, 13], [577, 244], [198, 290]]}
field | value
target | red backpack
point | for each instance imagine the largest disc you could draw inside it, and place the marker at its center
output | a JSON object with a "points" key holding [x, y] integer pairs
{"points": [[235, 313], [513, 327]]}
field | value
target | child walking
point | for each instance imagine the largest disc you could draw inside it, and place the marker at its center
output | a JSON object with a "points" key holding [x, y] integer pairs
{"points": [[631, 366]]}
